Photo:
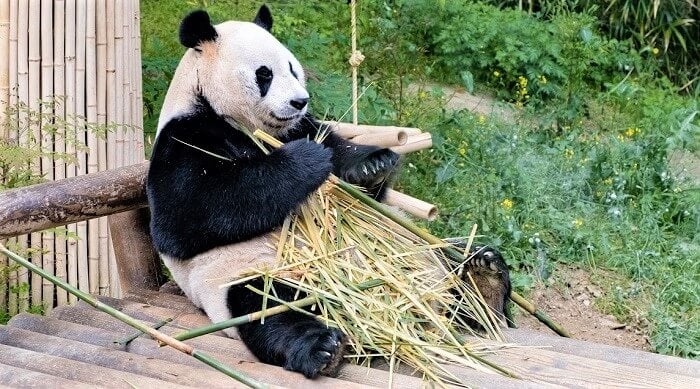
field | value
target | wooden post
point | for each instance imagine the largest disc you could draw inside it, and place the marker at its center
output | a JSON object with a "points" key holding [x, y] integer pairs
{"points": [[59, 88], [47, 140]]}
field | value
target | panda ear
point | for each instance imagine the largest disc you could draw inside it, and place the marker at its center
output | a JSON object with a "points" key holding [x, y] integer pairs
{"points": [[196, 28], [264, 18]]}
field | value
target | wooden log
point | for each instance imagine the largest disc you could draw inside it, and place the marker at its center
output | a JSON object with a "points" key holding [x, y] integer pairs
{"points": [[137, 260], [415, 143], [57, 203], [93, 241], [382, 139], [411, 205], [349, 130], [4, 65], [59, 69]]}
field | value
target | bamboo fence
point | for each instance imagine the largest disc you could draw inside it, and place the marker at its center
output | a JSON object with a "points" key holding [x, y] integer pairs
{"points": [[76, 64]]}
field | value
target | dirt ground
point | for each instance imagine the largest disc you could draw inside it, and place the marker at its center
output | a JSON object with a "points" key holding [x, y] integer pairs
{"points": [[569, 299]]}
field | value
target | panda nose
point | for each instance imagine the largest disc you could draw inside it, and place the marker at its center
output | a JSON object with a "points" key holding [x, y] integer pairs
{"points": [[299, 103]]}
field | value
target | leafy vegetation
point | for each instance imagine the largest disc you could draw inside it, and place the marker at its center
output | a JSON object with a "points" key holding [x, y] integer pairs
{"points": [[579, 173]]}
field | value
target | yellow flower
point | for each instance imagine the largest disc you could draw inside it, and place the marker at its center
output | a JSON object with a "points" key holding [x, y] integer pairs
{"points": [[655, 51], [542, 79], [607, 181], [482, 119], [496, 73], [462, 151], [568, 153], [507, 204], [577, 223], [522, 81]]}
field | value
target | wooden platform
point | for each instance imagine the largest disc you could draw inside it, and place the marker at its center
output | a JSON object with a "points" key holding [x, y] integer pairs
{"points": [[74, 348]]}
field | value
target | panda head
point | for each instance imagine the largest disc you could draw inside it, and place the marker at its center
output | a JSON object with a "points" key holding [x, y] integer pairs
{"points": [[244, 72]]}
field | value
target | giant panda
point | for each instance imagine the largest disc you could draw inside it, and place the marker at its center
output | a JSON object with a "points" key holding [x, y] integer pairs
{"points": [[216, 199]]}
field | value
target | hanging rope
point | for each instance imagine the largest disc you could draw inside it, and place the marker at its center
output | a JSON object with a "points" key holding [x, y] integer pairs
{"points": [[356, 59]]}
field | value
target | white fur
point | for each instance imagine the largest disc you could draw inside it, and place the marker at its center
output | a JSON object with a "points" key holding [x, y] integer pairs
{"points": [[225, 71], [201, 276]]}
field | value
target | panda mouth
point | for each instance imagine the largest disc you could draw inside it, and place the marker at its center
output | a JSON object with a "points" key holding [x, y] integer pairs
{"points": [[283, 119]]}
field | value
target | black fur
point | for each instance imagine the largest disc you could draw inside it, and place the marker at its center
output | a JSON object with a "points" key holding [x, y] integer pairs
{"points": [[264, 18], [263, 77], [295, 340], [196, 28]]}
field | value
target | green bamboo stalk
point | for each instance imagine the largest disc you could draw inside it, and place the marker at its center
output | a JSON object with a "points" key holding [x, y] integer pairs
{"points": [[453, 254], [131, 338], [159, 336], [251, 317]]}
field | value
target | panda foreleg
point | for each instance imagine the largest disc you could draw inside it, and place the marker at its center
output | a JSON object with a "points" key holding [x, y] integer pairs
{"points": [[293, 340]]}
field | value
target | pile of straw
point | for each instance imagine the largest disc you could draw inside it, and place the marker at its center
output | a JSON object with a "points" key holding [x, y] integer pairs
{"points": [[335, 243]]}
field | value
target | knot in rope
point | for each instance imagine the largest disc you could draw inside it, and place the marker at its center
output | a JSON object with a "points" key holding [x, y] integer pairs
{"points": [[356, 58]]}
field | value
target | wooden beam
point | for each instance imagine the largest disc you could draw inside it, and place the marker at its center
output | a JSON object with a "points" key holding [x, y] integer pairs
{"points": [[52, 204]]}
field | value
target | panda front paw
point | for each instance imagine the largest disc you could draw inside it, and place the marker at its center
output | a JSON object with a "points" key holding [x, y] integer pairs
{"points": [[318, 352], [372, 170], [490, 274], [310, 161]]}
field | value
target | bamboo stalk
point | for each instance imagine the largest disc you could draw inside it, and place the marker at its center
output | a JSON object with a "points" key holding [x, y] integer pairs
{"points": [[47, 141], [4, 65], [451, 253], [126, 94], [382, 139], [101, 64], [251, 317], [70, 24], [161, 337], [110, 83], [80, 133], [415, 143], [138, 82], [131, 338], [532, 309], [349, 130], [34, 32], [118, 86], [59, 70], [412, 205], [93, 260], [12, 67], [23, 132], [3, 280]]}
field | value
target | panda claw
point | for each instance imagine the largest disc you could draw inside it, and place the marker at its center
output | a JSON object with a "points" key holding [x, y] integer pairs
{"points": [[364, 169]]}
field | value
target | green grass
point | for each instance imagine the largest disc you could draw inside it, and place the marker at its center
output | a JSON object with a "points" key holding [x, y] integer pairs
{"points": [[580, 177]]}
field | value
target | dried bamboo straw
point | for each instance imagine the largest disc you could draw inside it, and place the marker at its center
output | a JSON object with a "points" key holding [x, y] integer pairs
{"points": [[34, 105], [92, 161], [349, 130], [80, 133], [59, 70], [159, 336], [12, 68], [101, 24], [23, 135], [47, 143], [118, 86], [4, 65], [415, 143], [382, 139], [412, 205], [70, 23]]}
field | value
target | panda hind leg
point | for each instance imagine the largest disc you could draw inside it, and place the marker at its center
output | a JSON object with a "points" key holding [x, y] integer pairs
{"points": [[293, 340], [490, 273]]}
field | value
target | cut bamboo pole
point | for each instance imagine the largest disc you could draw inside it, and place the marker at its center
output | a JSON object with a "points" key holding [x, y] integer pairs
{"points": [[72, 249], [155, 334], [349, 130], [411, 205], [93, 251], [111, 135], [382, 139], [4, 66], [59, 90], [34, 43], [80, 130], [414, 143], [138, 82], [12, 68], [126, 95], [101, 25], [23, 131], [119, 82], [47, 141]]}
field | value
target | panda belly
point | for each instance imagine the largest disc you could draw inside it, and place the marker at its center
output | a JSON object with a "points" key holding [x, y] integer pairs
{"points": [[200, 277]]}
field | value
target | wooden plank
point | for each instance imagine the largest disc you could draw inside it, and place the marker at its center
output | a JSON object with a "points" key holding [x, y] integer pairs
{"points": [[146, 349], [52, 204], [169, 372], [17, 377], [625, 356], [74, 370]]}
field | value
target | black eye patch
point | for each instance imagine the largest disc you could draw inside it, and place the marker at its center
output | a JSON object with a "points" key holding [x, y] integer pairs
{"points": [[263, 77], [291, 69]]}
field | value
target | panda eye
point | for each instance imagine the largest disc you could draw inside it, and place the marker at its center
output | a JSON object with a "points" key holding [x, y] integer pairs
{"points": [[291, 69], [263, 77]]}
